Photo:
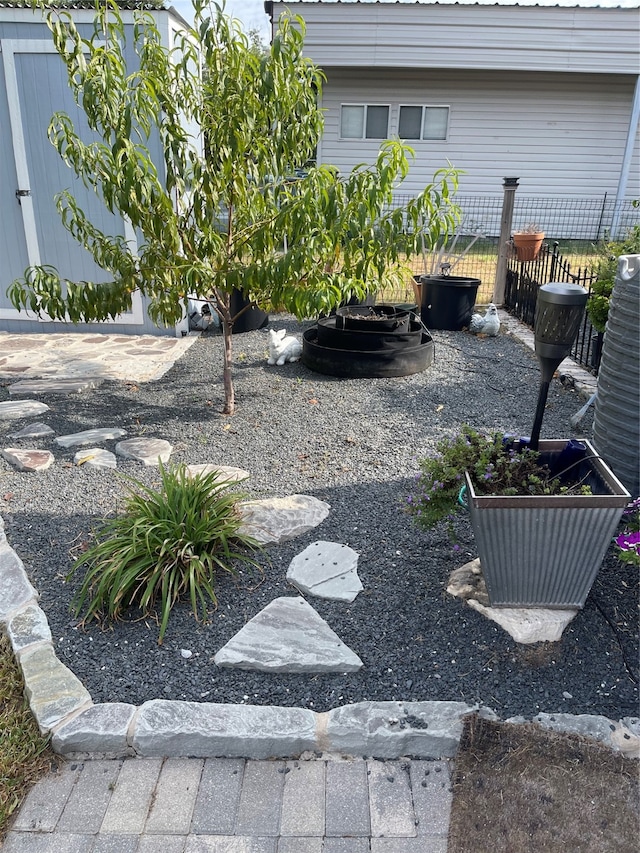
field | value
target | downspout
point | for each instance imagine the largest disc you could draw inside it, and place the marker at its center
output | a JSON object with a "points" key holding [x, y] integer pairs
{"points": [[626, 160]]}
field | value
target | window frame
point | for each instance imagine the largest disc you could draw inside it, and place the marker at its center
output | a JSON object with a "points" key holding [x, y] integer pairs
{"points": [[424, 108], [364, 137]]}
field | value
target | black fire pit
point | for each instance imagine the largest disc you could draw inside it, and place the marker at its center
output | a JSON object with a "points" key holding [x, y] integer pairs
{"points": [[368, 341]]}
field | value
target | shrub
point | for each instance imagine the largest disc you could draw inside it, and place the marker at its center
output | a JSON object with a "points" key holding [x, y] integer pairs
{"points": [[166, 545], [605, 270]]}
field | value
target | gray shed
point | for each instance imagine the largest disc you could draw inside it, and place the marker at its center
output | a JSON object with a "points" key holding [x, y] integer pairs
{"points": [[33, 85]]}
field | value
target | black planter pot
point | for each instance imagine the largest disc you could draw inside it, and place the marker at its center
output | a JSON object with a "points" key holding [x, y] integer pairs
{"points": [[379, 318], [447, 301], [379, 363], [367, 339], [251, 319]]}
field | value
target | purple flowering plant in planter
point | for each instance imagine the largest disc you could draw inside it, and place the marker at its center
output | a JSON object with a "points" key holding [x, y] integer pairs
{"points": [[628, 541]]}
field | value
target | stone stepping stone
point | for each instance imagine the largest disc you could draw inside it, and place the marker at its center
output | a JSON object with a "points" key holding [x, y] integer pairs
{"points": [[53, 386], [227, 472], [524, 624], [95, 457], [326, 570], [11, 410], [149, 451], [276, 520], [288, 636], [37, 430], [89, 436], [28, 460]]}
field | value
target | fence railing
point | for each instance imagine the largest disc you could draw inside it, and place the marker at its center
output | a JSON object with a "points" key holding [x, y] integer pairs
{"points": [[524, 279]]}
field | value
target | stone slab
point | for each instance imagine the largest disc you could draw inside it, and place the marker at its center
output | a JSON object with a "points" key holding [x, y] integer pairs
{"points": [[326, 570], [89, 436], [615, 735], [392, 729], [99, 730], [227, 473], [28, 626], [169, 728], [149, 451], [28, 387], [288, 636], [30, 460], [276, 520], [37, 430], [12, 410], [52, 690], [96, 457], [15, 589]]}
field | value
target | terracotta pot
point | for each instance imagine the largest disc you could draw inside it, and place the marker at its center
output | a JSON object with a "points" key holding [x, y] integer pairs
{"points": [[528, 245]]}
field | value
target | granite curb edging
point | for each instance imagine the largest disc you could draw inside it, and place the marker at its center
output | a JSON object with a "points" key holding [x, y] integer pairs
{"points": [[163, 728]]}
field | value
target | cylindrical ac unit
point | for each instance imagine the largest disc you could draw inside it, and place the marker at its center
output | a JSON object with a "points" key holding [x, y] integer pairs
{"points": [[616, 428]]}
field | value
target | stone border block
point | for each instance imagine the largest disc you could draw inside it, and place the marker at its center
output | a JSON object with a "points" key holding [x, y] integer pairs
{"points": [[52, 690], [170, 729], [100, 730], [15, 589], [617, 736], [27, 627], [394, 729]]}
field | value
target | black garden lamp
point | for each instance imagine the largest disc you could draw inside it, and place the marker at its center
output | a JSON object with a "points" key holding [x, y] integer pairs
{"points": [[559, 311]]}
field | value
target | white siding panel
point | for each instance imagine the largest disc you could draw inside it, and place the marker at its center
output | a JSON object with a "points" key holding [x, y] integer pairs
{"points": [[463, 36], [565, 135]]}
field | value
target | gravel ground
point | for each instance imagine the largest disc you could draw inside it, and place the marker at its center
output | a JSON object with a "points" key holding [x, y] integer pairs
{"points": [[354, 444]]}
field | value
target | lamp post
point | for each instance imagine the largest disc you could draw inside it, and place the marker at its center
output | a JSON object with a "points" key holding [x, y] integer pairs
{"points": [[559, 311]]}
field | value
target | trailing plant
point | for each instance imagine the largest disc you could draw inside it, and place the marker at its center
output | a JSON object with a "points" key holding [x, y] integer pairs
{"points": [[496, 465], [628, 541], [166, 545], [605, 269], [240, 212]]}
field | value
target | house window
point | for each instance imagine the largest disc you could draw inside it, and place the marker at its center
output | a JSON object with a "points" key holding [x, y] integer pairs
{"points": [[423, 122], [364, 121]]}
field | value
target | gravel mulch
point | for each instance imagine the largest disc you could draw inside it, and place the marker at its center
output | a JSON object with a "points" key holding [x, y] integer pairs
{"points": [[355, 444]]}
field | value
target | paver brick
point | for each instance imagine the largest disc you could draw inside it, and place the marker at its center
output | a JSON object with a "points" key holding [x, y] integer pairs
{"points": [[390, 799], [175, 796], [229, 844], [261, 798], [303, 799], [218, 797], [41, 810], [162, 844], [430, 784], [346, 845], [129, 805], [300, 845], [88, 801], [115, 844], [347, 799], [424, 844], [22, 842]]}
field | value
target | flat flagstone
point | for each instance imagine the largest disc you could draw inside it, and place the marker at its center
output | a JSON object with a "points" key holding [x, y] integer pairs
{"points": [[327, 570], [96, 457], [28, 460], [37, 430], [11, 410], [227, 472], [524, 624], [276, 520], [53, 386], [89, 436], [149, 451], [288, 636]]}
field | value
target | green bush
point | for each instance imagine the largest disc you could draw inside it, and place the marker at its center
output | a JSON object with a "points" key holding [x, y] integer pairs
{"points": [[605, 270], [496, 467], [166, 545]]}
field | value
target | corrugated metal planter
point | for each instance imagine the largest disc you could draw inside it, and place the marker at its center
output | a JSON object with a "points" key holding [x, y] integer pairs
{"points": [[545, 551]]}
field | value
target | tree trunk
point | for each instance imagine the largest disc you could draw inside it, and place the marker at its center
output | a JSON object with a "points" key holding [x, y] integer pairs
{"points": [[222, 307]]}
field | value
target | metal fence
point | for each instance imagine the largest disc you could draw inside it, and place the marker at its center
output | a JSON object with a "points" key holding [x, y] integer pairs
{"points": [[523, 282]]}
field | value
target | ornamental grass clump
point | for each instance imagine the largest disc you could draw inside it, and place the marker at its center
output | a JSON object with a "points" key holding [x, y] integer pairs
{"points": [[166, 545], [497, 465]]}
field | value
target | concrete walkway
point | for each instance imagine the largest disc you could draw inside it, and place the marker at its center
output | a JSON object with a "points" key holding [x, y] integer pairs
{"points": [[226, 805]]}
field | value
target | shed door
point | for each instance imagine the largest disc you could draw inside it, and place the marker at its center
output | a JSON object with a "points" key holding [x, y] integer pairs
{"points": [[36, 87]]}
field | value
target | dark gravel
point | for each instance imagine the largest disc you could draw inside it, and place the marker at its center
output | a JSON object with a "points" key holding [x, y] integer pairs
{"points": [[354, 444]]}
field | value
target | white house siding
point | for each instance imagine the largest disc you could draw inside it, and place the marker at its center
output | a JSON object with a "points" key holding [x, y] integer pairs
{"points": [[38, 87], [536, 92], [560, 134]]}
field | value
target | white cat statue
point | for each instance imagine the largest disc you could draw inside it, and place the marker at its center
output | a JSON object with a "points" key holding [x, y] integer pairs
{"points": [[283, 347]]}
